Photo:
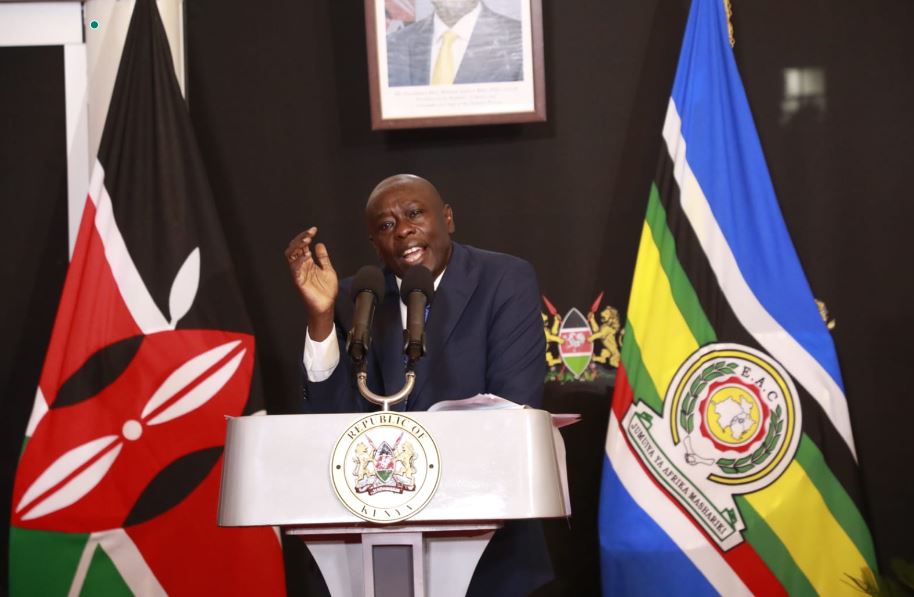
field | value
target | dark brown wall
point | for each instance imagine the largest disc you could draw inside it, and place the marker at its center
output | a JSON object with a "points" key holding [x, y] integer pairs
{"points": [[33, 244], [278, 93]]}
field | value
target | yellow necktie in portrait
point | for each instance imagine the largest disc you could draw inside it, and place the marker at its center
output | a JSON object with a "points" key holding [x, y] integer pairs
{"points": [[445, 70]]}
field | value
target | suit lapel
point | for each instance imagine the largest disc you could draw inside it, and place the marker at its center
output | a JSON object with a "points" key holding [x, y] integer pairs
{"points": [[490, 53], [454, 292], [420, 52], [482, 53]]}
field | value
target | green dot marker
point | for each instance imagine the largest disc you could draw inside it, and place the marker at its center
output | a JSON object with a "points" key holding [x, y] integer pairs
{"points": [[93, 24]]}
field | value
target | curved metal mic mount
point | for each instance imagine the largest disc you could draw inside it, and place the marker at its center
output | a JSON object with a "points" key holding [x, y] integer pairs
{"points": [[385, 401]]}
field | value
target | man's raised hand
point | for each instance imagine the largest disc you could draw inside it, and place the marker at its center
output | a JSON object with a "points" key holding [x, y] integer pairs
{"points": [[315, 279]]}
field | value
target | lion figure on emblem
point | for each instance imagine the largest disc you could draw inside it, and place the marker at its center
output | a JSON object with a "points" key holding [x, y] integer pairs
{"points": [[364, 463], [405, 457]]}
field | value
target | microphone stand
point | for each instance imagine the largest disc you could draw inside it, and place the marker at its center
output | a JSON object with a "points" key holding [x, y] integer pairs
{"points": [[385, 401], [418, 286]]}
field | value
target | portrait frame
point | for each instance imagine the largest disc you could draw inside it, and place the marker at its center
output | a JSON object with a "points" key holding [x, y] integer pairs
{"points": [[397, 104]]}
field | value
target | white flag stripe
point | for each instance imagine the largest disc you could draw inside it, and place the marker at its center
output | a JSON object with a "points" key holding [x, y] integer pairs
{"points": [[77, 487], [184, 375], [39, 410], [746, 306], [127, 277], [184, 287], [130, 563], [660, 508], [82, 568], [64, 466], [202, 393]]}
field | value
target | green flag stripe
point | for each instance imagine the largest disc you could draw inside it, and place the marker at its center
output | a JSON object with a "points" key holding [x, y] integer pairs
{"points": [[638, 378], [103, 578], [839, 503], [683, 292], [684, 297], [43, 562], [772, 551]]}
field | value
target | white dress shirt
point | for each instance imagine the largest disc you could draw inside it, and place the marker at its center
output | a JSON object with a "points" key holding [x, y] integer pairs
{"points": [[321, 358], [463, 28]]}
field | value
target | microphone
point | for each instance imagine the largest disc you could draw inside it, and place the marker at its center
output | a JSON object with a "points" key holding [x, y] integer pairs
{"points": [[417, 290], [367, 291]]}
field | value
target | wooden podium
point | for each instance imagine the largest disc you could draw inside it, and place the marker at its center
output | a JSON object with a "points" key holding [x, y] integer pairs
{"points": [[493, 465]]}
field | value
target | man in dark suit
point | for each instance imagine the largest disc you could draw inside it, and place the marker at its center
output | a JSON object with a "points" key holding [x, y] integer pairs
{"points": [[484, 334], [487, 47]]}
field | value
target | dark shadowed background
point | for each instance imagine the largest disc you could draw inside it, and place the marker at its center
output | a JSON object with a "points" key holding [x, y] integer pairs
{"points": [[279, 97]]}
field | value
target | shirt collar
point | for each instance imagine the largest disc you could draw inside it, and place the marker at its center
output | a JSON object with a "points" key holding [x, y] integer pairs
{"points": [[437, 280]]}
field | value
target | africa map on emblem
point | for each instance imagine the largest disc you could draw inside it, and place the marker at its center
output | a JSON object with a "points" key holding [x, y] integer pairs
{"points": [[732, 414]]}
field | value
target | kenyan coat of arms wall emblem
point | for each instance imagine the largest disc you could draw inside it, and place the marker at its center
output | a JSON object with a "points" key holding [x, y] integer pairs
{"points": [[582, 347], [385, 467]]}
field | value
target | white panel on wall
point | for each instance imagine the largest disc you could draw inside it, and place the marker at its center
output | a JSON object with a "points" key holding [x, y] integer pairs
{"points": [[78, 157], [40, 23]]}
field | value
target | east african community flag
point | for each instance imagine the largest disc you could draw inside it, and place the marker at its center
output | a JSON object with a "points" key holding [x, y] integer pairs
{"points": [[117, 486], [730, 463]]}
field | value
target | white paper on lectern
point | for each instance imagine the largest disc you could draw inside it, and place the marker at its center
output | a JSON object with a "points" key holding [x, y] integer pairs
{"points": [[493, 402], [477, 402]]}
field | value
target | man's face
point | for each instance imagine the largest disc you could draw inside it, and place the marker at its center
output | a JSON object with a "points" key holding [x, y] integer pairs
{"points": [[408, 225], [450, 11]]}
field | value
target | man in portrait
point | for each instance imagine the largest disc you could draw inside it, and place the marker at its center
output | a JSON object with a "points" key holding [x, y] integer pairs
{"points": [[462, 41]]}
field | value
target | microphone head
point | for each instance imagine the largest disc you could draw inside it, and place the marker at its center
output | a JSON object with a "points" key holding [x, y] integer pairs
{"points": [[369, 278], [418, 278]]}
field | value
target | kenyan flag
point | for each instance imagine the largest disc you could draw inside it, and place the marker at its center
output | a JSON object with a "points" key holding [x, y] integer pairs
{"points": [[118, 482]]}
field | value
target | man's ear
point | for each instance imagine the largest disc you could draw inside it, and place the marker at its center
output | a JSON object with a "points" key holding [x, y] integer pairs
{"points": [[449, 218], [374, 245]]}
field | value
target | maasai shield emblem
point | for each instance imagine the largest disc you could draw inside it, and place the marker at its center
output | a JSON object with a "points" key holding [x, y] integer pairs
{"points": [[576, 349]]}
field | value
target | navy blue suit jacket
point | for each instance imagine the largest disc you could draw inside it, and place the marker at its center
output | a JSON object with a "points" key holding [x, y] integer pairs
{"points": [[494, 52], [484, 334]]}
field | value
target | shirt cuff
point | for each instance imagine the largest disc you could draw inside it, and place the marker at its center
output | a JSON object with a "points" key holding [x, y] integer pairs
{"points": [[321, 358]]}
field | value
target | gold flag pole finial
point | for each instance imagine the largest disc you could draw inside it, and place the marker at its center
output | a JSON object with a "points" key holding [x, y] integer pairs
{"points": [[728, 8]]}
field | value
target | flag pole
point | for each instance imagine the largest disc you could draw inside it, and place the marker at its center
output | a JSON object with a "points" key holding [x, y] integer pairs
{"points": [[728, 9]]}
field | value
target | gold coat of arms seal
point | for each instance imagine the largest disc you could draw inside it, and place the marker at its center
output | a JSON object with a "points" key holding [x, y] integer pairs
{"points": [[385, 467]]}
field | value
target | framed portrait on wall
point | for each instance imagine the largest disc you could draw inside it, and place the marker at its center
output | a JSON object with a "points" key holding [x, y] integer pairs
{"points": [[454, 62]]}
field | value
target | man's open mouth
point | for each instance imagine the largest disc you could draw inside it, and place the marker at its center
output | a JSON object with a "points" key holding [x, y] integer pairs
{"points": [[413, 255]]}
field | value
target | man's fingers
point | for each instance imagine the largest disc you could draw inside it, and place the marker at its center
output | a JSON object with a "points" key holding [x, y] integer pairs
{"points": [[295, 254], [321, 256], [301, 238], [299, 247]]}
